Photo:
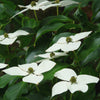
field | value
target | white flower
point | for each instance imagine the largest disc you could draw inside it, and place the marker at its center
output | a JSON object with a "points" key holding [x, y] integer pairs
{"points": [[66, 2], [70, 43], [72, 82], [2, 65], [9, 38], [41, 4], [52, 55], [32, 71]]}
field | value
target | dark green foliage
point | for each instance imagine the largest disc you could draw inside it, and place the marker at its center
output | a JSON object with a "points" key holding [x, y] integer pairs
{"points": [[46, 31]]}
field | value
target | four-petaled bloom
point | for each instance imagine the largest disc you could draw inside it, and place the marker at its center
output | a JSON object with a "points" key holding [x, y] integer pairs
{"points": [[32, 71], [2, 65], [9, 38], [52, 55], [41, 4], [72, 82], [70, 43]]}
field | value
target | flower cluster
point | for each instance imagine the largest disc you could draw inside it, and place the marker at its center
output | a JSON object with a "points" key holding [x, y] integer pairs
{"points": [[70, 80], [44, 4], [33, 72]]}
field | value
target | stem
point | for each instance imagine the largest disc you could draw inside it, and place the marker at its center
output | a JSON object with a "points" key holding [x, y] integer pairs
{"points": [[57, 10], [38, 90], [34, 43], [35, 15], [70, 96]]}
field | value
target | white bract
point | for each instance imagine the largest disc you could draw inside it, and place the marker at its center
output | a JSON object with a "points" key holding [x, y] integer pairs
{"points": [[2, 65], [32, 71], [26, 48], [65, 2], [52, 55], [70, 43], [9, 38], [41, 4], [72, 82]]}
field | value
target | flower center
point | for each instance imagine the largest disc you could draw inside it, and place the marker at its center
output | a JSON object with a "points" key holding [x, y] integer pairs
{"points": [[33, 3], [68, 39], [57, 1], [52, 54], [30, 70], [6, 35], [73, 79]]}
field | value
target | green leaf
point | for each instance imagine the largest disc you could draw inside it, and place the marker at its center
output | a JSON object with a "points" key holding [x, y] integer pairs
{"points": [[90, 49], [34, 96], [98, 67], [5, 79], [89, 70], [1, 8], [72, 26], [1, 98], [2, 59], [41, 46], [14, 91], [96, 6], [32, 53], [2, 32], [9, 9], [92, 56], [69, 8], [22, 98], [6, 11], [11, 4], [98, 27], [2, 12], [83, 20], [96, 18], [30, 23], [48, 28], [25, 40], [52, 19]]}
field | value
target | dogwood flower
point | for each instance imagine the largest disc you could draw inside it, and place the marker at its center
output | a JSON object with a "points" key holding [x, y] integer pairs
{"points": [[9, 38], [72, 82], [2, 65], [65, 2], [41, 4], [32, 72], [52, 55], [70, 43]]}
